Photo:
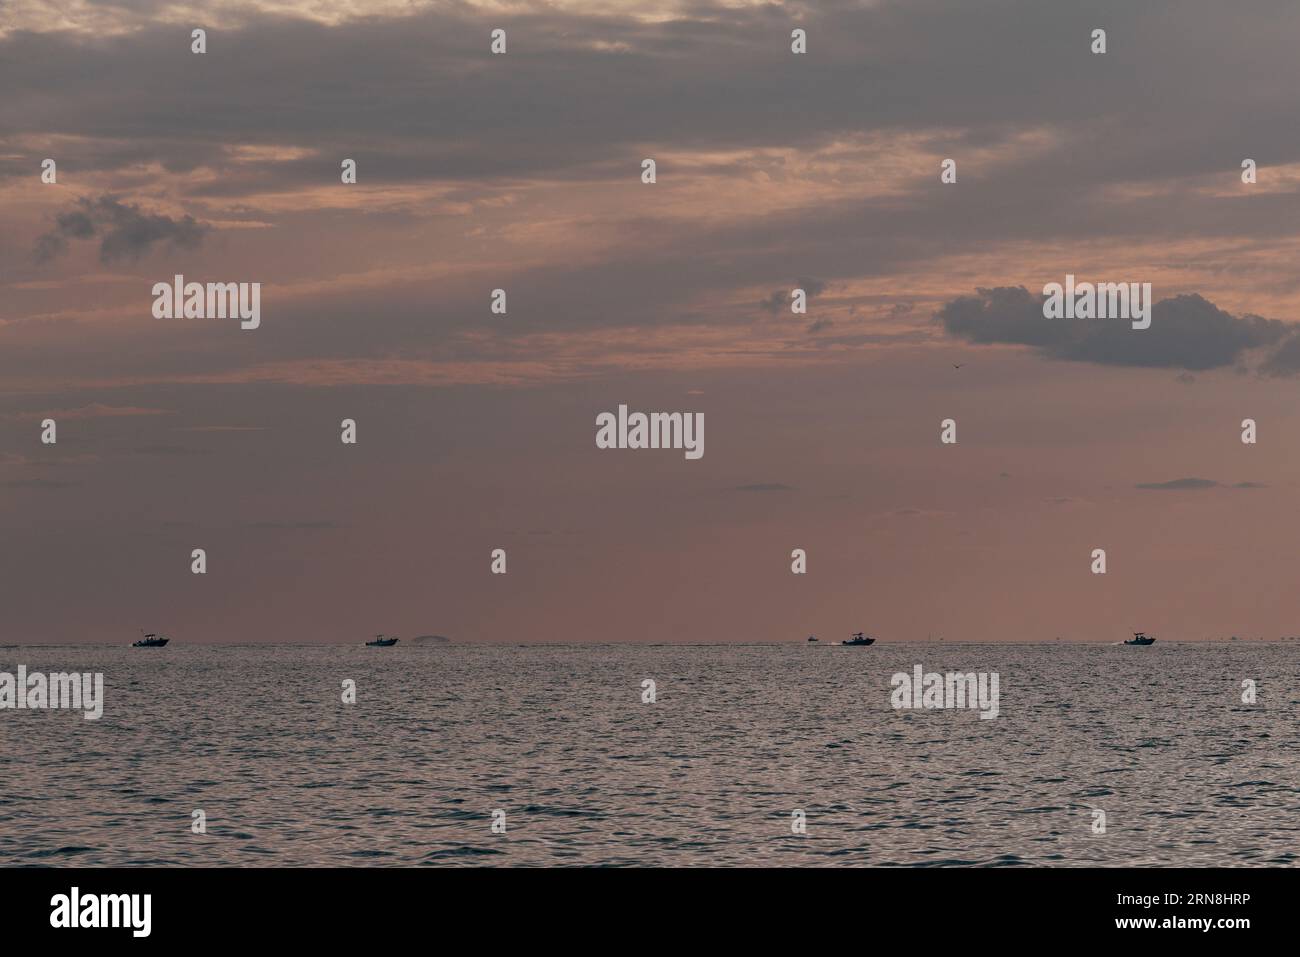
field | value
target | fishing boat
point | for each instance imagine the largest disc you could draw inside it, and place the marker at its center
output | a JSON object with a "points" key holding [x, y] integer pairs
{"points": [[150, 640], [381, 642], [1140, 639], [812, 638], [859, 639]]}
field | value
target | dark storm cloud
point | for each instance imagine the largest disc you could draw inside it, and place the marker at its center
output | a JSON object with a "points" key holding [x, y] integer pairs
{"points": [[1187, 332], [124, 232]]}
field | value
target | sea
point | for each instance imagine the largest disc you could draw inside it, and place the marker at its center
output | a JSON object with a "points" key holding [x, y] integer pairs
{"points": [[656, 755]]}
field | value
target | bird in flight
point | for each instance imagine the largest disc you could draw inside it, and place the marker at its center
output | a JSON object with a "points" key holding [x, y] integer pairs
{"points": [[958, 365]]}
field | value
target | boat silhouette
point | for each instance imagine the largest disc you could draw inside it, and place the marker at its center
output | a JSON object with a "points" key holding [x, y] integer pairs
{"points": [[150, 640], [381, 642], [859, 639], [1140, 639]]}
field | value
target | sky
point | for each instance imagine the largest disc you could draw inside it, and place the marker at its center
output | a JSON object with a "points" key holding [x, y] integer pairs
{"points": [[523, 171]]}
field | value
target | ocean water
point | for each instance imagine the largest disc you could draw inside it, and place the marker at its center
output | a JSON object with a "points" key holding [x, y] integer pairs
{"points": [[586, 773]]}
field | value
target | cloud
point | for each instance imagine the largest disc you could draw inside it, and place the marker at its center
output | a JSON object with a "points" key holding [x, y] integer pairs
{"points": [[814, 287], [37, 483], [689, 60], [221, 428], [166, 450], [1285, 359], [821, 209], [774, 303], [125, 233], [1177, 484], [1184, 484], [1187, 332], [780, 298], [294, 526], [95, 410]]}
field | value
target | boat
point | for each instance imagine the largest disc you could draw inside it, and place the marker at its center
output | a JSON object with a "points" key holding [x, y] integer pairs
{"points": [[859, 639], [811, 638], [150, 640], [1140, 639], [381, 642]]}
